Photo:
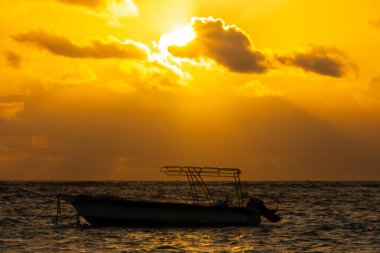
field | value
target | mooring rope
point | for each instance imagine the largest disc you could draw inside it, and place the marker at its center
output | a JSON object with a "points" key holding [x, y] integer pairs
{"points": [[59, 212], [58, 216], [37, 216], [43, 211]]}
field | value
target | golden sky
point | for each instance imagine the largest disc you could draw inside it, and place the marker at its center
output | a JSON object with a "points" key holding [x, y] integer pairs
{"points": [[113, 89]]}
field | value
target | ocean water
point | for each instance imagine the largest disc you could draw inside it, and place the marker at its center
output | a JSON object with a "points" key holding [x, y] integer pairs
{"points": [[317, 217]]}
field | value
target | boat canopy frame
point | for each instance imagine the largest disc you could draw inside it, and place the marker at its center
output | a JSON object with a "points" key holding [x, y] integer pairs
{"points": [[195, 174]]}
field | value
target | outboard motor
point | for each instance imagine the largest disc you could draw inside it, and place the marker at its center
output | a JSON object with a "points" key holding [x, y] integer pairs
{"points": [[255, 203]]}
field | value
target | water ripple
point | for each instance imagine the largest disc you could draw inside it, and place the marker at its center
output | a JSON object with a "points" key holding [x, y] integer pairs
{"points": [[317, 217]]}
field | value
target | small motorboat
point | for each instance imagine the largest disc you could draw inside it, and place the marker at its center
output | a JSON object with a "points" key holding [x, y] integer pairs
{"points": [[100, 211]]}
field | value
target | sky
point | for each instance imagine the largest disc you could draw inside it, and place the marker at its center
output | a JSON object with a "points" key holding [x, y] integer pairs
{"points": [[113, 89]]}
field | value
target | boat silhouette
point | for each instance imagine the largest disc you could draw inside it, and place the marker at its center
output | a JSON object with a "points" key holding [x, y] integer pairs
{"points": [[100, 211]]}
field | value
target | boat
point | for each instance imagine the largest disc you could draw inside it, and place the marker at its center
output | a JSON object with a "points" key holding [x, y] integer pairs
{"points": [[104, 211]]}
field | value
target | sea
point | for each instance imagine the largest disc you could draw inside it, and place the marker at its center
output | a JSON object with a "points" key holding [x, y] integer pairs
{"points": [[316, 217]]}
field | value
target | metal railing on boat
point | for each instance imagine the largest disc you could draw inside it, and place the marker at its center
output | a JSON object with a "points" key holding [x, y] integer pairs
{"points": [[198, 186], [202, 171]]}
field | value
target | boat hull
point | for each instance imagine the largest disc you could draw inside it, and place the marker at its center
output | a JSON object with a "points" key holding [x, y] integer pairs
{"points": [[111, 211]]}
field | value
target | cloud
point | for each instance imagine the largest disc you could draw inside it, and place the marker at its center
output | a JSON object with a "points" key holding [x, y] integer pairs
{"points": [[113, 10], [87, 3], [319, 60], [9, 110], [256, 89], [96, 49], [124, 5], [92, 134], [149, 76], [13, 59], [231, 47], [226, 44]]}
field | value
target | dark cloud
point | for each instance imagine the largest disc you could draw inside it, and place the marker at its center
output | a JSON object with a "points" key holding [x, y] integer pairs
{"points": [[227, 45], [320, 60], [13, 59], [232, 48], [96, 49]]}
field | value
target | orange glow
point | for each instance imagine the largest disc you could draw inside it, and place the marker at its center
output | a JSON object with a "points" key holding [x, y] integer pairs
{"points": [[97, 89]]}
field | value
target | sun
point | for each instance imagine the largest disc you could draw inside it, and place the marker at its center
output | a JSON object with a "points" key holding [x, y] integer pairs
{"points": [[179, 37]]}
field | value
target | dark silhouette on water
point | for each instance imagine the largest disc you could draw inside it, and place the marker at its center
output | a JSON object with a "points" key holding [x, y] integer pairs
{"points": [[115, 211]]}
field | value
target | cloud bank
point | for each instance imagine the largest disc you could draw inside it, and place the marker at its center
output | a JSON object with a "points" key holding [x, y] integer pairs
{"points": [[96, 49], [227, 45], [232, 48]]}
